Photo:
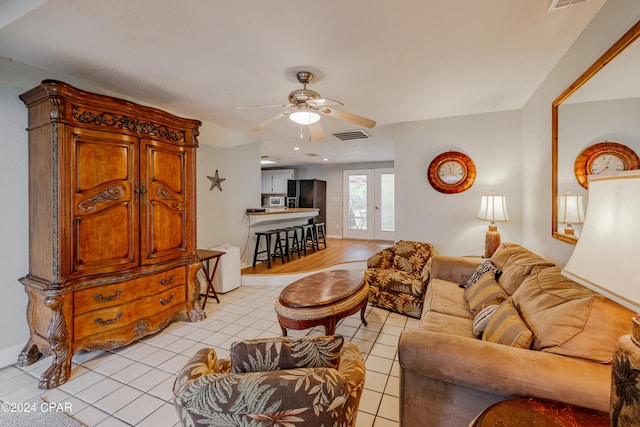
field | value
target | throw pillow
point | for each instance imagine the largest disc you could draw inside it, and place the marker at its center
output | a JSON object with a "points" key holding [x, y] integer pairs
{"points": [[486, 291], [506, 327], [271, 354], [480, 271], [481, 320]]}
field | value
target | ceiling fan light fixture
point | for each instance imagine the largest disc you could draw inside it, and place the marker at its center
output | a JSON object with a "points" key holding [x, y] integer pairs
{"points": [[304, 117]]}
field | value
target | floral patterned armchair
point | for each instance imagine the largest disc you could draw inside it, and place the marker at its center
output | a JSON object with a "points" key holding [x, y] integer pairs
{"points": [[284, 381], [398, 275]]}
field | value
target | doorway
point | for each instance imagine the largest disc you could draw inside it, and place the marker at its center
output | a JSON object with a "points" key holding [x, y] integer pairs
{"points": [[369, 208]]}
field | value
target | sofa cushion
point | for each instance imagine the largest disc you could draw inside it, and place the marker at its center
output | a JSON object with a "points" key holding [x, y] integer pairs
{"points": [[506, 327], [516, 263], [569, 319], [486, 291], [433, 321], [271, 354], [447, 298], [483, 268], [482, 318]]}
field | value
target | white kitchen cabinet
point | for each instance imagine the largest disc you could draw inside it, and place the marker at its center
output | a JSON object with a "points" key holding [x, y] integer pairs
{"points": [[274, 181]]}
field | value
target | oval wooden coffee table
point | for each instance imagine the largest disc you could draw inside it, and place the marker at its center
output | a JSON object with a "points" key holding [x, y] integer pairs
{"points": [[322, 299]]}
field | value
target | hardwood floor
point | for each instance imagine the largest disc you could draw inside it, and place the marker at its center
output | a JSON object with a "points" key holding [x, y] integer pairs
{"points": [[338, 251]]}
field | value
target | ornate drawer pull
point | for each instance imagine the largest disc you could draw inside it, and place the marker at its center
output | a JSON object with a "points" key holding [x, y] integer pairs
{"points": [[100, 298], [99, 321], [166, 282], [165, 302]]}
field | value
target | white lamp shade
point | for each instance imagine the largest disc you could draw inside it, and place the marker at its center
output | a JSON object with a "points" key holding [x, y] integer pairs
{"points": [[570, 209], [606, 257], [493, 207], [304, 117]]}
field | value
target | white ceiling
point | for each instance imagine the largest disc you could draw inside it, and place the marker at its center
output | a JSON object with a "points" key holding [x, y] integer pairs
{"points": [[391, 61]]}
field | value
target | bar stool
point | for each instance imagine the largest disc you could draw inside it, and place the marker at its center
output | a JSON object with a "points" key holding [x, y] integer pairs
{"points": [[320, 229], [308, 237], [278, 250], [292, 241]]}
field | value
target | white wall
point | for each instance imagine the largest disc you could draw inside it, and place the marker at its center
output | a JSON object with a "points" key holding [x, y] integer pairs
{"points": [[613, 20], [14, 225], [221, 214], [448, 220]]}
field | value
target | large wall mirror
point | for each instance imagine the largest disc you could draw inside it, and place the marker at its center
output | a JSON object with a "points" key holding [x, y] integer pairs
{"points": [[602, 105]]}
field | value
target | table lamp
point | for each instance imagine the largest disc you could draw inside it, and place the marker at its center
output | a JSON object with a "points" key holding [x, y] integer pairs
{"points": [[493, 207], [570, 211], [605, 259]]}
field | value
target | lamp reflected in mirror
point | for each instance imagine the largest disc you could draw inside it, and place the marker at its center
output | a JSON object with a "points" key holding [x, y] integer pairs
{"points": [[570, 212]]}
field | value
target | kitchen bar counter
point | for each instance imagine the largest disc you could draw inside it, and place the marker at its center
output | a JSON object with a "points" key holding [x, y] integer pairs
{"points": [[274, 218], [277, 215]]}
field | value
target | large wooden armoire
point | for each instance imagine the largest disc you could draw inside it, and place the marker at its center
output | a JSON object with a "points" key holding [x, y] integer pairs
{"points": [[112, 229]]}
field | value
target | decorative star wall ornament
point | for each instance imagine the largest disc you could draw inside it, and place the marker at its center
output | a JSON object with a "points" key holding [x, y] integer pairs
{"points": [[216, 181]]}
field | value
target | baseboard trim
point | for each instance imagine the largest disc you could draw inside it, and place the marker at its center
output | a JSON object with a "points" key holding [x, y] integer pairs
{"points": [[9, 356]]}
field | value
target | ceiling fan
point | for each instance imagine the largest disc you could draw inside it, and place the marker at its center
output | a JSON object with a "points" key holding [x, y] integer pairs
{"points": [[308, 104]]}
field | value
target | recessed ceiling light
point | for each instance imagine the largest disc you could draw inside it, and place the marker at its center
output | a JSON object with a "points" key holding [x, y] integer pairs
{"points": [[267, 162], [296, 148], [325, 160]]}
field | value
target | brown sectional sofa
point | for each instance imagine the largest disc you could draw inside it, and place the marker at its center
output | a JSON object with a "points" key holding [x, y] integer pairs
{"points": [[548, 337]]}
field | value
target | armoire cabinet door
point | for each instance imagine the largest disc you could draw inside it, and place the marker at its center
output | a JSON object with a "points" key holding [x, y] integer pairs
{"points": [[104, 206], [167, 203]]}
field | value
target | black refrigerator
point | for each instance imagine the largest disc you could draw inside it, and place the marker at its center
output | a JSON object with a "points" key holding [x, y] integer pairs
{"points": [[308, 193]]}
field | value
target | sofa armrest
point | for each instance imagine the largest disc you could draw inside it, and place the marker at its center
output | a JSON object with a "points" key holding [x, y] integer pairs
{"points": [[505, 370], [453, 268]]}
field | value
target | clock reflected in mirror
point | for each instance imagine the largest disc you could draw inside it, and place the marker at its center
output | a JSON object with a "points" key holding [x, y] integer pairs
{"points": [[604, 158]]}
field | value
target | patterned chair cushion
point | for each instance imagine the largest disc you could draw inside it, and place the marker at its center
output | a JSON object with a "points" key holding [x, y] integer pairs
{"points": [[395, 280], [397, 277], [303, 396], [270, 354]]}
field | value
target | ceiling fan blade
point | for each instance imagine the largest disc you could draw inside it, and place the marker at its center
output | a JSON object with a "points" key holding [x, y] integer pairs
{"points": [[262, 106], [271, 120], [323, 102], [316, 132], [343, 115]]}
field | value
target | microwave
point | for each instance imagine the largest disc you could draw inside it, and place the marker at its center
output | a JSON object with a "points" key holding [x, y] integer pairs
{"points": [[276, 201]]}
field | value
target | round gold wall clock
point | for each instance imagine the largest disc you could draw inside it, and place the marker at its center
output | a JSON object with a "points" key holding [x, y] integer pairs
{"points": [[451, 172], [604, 157]]}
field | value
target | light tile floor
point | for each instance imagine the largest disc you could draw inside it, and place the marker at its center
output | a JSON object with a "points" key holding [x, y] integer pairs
{"points": [[131, 386]]}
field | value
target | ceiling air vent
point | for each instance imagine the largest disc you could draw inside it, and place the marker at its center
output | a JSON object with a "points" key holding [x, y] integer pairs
{"points": [[562, 4], [312, 155], [352, 134]]}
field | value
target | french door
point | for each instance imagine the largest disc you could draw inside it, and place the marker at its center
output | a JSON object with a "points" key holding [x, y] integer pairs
{"points": [[369, 206]]}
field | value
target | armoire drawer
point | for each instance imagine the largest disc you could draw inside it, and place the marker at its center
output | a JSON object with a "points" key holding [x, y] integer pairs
{"points": [[99, 297], [111, 318]]}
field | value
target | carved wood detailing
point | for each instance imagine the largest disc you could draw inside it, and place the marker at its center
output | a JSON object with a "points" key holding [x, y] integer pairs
{"points": [[128, 123], [112, 223], [58, 334], [165, 194], [110, 194]]}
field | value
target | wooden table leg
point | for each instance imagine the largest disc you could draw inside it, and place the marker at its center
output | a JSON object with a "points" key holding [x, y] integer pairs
{"points": [[209, 278], [364, 307]]}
